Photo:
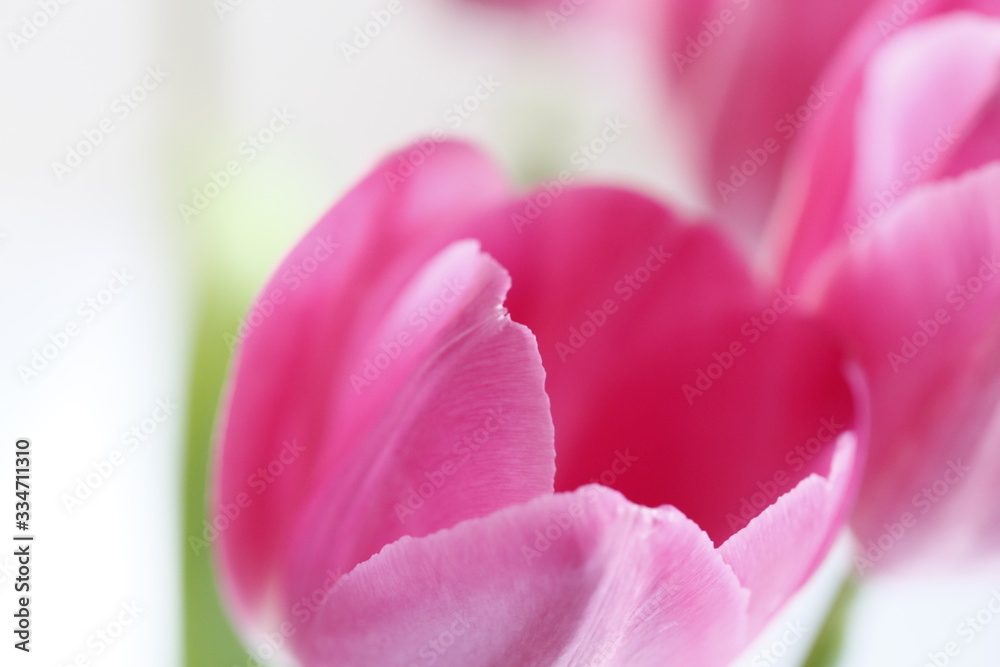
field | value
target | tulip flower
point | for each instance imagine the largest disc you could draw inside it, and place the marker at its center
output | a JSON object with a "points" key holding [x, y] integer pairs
{"points": [[753, 76], [825, 125], [472, 428], [887, 221], [571, 428]]}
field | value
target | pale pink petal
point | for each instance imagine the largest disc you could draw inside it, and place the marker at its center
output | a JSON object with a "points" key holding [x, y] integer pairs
{"points": [[919, 300], [771, 555], [571, 579], [970, 527], [579, 578], [292, 408]]}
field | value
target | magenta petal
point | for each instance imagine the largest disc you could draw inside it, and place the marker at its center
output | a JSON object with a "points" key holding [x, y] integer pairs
{"points": [[293, 413], [919, 299], [556, 581], [455, 428]]}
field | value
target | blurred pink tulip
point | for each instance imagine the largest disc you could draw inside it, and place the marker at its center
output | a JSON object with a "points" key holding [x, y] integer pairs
{"points": [[887, 222], [645, 458], [754, 76], [833, 123], [747, 75]]}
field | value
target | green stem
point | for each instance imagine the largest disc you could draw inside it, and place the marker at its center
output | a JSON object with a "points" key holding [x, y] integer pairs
{"points": [[829, 643]]}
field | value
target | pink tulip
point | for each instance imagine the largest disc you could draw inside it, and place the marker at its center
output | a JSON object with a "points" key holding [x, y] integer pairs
{"points": [[641, 462], [919, 106], [747, 74], [409, 475], [918, 301], [912, 101], [754, 77], [887, 222]]}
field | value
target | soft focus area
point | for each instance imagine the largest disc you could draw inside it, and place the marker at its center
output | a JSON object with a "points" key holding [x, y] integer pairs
{"points": [[159, 158]]}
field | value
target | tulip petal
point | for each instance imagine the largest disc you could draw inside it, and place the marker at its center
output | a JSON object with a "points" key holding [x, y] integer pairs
{"points": [[563, 580], [293, 414], [869, 149], [748, 72], [803, 521], [461, 426], [919, 301], [675, 377], [957, 61]]}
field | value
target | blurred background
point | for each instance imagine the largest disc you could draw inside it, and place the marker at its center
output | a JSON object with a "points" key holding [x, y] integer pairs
{"points": [[157, 159]]}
